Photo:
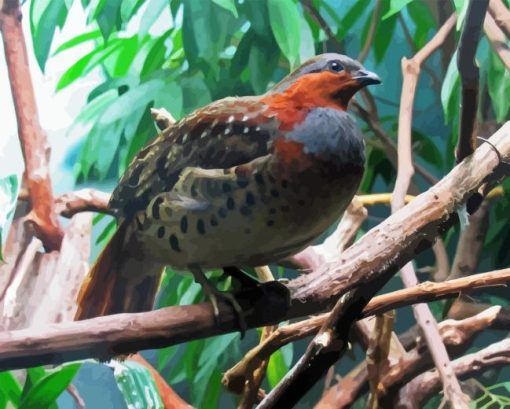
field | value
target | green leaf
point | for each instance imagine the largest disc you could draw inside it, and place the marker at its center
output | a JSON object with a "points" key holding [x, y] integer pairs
{"points": [[8, 194], [85, 64], [276, 368], [48, 388], [136, 385], [156, 55], [44, 17], [169, 96], [284, 19], [208, 363], [108, 17], [118, 63], [498, 83], [10, 389], [150, 15], [261, 67], [79, 39], [107, 232], [229, 5], [128, 8], [423, 20], [307, 47], [383, 37], [450, 90], [461, 7], [352, 16], [395, 7]]}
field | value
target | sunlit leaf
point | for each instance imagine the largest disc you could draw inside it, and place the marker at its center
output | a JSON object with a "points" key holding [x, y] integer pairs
{"points": [[352, 16], [229, 5], [276, 368], [423, 20], [450, 89], [383, 37], [44, 17], [128, 8], [284, 19], [79, 39], [461, 7], [395, 7], [152, 12], [49, 387], [498, 82], [10, 389]]}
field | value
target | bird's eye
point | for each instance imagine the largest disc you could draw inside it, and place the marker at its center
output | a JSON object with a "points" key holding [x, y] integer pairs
{"points": [[335, 66]]}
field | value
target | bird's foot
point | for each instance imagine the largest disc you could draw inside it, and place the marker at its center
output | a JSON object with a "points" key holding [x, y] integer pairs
{"points": [[216, 295]]}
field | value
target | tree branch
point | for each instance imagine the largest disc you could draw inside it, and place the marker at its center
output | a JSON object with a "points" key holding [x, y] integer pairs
{"points": [[371, 32], [34, 145], [420, 388], [367, 264], [497, 40], [469, 75], [501, 15]]}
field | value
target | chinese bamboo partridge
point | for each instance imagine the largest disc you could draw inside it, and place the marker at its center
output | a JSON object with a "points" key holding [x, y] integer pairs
{"points": [[241, 182]]}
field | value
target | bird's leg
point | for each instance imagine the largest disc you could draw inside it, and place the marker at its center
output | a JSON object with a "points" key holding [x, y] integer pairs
{"points": [[242, 279], [214, 295]]}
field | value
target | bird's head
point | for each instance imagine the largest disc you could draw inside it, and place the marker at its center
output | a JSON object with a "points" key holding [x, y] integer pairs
{"points": [[326, 80]]}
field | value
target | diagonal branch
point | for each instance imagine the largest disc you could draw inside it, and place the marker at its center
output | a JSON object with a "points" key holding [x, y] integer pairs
{"points": [[501, 15], [367, 264]]}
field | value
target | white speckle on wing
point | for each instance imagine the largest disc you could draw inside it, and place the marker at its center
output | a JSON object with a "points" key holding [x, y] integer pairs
{"points": [[227, 130], [245, 118], [185, 138], [204, 134], [246, 129], [230, 119], [257, 128]]}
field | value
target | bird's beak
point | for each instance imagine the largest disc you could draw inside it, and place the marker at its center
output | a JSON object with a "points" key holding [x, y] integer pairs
{"points": [[365, 77]]}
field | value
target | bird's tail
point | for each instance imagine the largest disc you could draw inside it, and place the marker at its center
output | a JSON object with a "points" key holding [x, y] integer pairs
{"points": [[121, 279]]}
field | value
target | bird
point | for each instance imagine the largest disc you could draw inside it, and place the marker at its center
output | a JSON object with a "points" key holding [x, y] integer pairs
{"points": [[241, 182]]}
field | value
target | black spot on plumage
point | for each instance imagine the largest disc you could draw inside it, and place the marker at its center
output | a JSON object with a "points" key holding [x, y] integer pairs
{"points": [[230, 203], [259, 179], [174, 242], [271, 178], [285, 184], [184, 224], [245, 211], [161, 232], [200, 226], [272, 210], [214, 221], [250, 199], [160, 166], [242, 183], [155, 208], [301, 202], [226, 187], [275, 193], [134, 178], [222, 212], [270, 223], [285, 208]]}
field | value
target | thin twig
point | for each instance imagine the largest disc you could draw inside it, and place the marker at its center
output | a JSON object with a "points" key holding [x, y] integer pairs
{"points": [[371, 32], [422, 313], [315, 14], [497, 40], [420, 388], [73, 391], [501, 15], [424, 292]]}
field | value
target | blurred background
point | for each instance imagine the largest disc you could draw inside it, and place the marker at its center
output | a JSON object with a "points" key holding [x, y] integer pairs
{"points": [[97, 67]]}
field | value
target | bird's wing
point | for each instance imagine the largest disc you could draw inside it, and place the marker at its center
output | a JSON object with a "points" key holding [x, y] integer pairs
{"points": [[226, 133]]}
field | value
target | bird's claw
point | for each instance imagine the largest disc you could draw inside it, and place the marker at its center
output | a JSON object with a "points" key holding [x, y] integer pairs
{"points": [[215, 296]]}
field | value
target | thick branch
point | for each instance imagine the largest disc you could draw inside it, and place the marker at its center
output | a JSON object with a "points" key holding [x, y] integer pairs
{"points": [[369, 262], [469, 75], [85, 200], [33, 141]]}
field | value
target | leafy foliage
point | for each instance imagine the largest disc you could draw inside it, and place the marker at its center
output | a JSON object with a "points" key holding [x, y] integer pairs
{"points": [[182, 54], [8, 194], [40, 390]]}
